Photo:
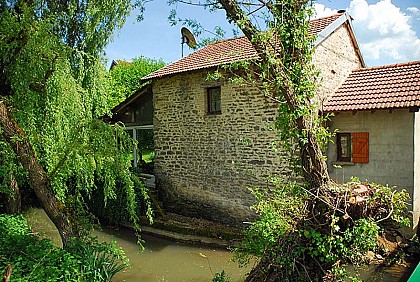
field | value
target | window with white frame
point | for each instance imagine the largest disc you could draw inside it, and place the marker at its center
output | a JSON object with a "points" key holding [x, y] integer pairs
{"points": [[144, 152]]}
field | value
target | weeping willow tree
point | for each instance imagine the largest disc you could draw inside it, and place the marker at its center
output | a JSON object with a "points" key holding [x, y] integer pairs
{"points": [[53, 91]]}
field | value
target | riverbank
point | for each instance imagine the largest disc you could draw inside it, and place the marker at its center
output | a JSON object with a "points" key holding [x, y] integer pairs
{"points": [[192, 231]]}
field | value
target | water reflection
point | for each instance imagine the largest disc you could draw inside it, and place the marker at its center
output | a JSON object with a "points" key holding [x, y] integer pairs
{"points": [[162, 260]]}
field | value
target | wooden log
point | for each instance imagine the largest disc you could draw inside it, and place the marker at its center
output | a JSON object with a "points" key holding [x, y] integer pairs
{"points": [[8, 273]]}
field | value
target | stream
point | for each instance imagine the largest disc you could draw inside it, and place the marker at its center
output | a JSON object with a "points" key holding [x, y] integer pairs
{"points": [[162, 260], [165, 260]]}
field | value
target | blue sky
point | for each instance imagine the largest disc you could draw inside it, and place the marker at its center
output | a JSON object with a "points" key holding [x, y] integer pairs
{"points": [[388, 31]]}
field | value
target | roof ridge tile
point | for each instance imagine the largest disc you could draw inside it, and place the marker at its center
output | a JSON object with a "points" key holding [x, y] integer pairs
{"points": [[411, 63]]}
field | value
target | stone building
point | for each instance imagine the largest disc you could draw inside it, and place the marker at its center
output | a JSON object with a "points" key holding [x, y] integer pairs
{"points": [[213, 139]]}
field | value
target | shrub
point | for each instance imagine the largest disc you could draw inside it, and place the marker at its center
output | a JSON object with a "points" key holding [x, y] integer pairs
{"points": [[221, 277], [40, 260]]}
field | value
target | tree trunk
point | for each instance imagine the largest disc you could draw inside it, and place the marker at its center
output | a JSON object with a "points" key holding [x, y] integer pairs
{"points": [[315, 169], [313, 163], [13, 199], [38, 177]]}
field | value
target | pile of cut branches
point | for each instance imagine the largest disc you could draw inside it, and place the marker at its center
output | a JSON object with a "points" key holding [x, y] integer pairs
{"points": [[340, 226]]}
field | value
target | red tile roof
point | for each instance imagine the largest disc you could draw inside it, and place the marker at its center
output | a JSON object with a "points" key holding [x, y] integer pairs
{"points": [[319, 24], [226, 51], [218, 53], [385, 87]]}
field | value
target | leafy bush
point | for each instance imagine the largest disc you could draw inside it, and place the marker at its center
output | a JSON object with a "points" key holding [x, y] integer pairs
{"points": [[33, 259], [348, 246], [278, 209], [388, 201], [125, 77], [101, 261], [221, 277]]}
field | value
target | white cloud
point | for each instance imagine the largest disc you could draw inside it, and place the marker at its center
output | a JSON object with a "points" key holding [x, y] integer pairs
{"points": [[414, 10], [385, 33], [359, 8], [415, 14], [322, 11]]}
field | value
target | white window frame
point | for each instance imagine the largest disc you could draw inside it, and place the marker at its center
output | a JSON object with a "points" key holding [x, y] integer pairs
{"points": [[135, 128]]}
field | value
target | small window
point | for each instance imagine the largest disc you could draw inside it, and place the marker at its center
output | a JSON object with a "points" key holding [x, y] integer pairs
{"points": [[353, 147], [344, 147], [214, 100]]}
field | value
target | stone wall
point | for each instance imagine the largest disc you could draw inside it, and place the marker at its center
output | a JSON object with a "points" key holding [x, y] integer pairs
{"points": [[204, 163], [335, 57], [416, 192]]}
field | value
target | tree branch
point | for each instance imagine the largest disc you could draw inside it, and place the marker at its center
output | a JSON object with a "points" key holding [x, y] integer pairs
{"points": [[8, 273]]}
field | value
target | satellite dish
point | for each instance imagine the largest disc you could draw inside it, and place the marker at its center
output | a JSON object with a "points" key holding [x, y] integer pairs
{"points": [[187, 37]]}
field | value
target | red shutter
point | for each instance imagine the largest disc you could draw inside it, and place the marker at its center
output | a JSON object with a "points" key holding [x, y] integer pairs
{"points": [[360, 147]]}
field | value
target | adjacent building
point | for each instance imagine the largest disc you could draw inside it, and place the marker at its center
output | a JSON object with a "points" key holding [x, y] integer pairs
{"points": [[377, 119]]}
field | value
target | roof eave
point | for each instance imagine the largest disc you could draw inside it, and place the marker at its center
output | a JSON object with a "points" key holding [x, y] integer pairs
{"points": [[414, 108], [321, 36], [354, 39], [130, 99]]}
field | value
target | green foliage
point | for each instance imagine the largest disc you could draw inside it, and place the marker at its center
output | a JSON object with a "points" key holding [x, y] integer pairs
{"points": [[286, 234], [291, 27], [146, 144], [278, 210], [9, 164], [125, 77], [348, 246], [389, 201], [221, 277], [101, 261], [33, 259], [117, 210], [340, 248], [50, 58]]}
